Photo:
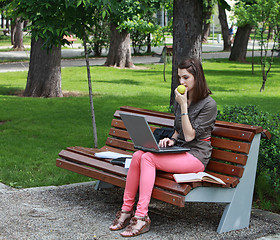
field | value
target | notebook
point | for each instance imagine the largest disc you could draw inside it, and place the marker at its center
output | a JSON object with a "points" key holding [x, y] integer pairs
{"points": [[142, 136]]}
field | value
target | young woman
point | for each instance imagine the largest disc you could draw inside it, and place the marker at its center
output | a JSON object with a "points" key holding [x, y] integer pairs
{"points": [[195, 115]]}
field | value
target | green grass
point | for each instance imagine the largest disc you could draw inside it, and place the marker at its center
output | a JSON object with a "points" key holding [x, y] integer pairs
{"points": [[34, 130], [6, 40]]}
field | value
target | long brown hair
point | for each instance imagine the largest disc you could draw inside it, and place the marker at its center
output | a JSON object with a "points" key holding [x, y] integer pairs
{"points": [[193, 66]]}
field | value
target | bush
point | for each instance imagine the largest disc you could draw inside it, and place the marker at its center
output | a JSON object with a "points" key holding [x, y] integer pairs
{"points": [[268, 171]]}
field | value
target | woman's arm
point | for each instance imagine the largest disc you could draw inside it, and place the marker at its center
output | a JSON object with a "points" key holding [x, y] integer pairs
{"points": [[189, 132]]}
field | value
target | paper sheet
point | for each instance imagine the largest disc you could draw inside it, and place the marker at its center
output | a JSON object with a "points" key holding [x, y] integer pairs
{"points": [[110, 155]]}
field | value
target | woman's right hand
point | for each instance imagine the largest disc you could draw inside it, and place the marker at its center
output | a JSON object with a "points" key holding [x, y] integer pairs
{"points": [[181, 98], [166, 142]]}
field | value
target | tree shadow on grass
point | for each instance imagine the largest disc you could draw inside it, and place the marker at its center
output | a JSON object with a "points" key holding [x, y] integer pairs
{"points": [[7, 90], [223, 89], [121, 81], [233, 72]]}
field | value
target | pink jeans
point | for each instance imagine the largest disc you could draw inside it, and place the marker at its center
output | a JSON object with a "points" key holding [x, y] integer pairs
{"points": [[142, 174]]}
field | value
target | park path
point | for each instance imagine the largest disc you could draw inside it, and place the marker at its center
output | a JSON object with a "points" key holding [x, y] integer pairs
{"points": [[209, 51]]}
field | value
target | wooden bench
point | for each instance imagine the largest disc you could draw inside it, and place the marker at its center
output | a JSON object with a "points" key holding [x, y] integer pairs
{"points": [[6, 31], [168, 49], [277, 51], [70, 38], [234, 160], [166, 52]]}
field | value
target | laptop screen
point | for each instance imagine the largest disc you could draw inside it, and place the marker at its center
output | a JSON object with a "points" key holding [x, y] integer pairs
{"points": [[139, 131]]}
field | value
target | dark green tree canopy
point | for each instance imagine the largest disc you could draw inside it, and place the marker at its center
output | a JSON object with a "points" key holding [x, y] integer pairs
{"points": [[51, 20]]}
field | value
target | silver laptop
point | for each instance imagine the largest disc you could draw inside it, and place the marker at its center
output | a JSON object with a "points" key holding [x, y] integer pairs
{"points": [[142, 136]]}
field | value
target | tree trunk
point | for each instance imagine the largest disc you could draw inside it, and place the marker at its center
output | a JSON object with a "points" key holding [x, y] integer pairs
{"points": [[13, 31], [90, 93], [206, 25], [119, 52], [239, 49], [18, 36], [206, 32], [278, 32], [44, 75], [25, 23], [187, 31], [8, 23], [224, 27], [149, 46], [2, 20]]}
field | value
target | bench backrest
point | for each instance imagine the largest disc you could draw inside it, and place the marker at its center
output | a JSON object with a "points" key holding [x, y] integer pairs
{"points": [[231, 142]]}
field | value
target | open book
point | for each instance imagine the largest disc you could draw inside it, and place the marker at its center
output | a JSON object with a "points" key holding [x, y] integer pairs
{"points": [[197, 177]]}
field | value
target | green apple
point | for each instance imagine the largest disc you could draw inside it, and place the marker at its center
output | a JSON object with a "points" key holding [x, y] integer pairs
{"points": [[181, 89]]}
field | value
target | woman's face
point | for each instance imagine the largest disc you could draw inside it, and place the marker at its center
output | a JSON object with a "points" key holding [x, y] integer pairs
{"points": [[185, 78]]}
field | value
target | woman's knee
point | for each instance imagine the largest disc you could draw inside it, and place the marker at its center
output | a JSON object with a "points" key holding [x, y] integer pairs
{"points": [[148, 158], [136, 157]]}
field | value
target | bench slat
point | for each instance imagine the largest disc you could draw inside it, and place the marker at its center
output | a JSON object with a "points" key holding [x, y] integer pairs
{"points": [[254, 129], [170, 177], [84, 151], [93, 162], [233, 134], [165, 122], [90, 153], [147, 112], [225, 168], [113, 142], [169, 197], [91, 172], [172, 185], [113, 149], [241, 147], [118, 124], [232, 181], [119, 133], [229, 156]]}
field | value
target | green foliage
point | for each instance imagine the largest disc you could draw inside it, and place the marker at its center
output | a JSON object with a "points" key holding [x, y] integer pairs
{"points": [[268, 198], [51, 20], [122, 12], [99, 35], [140, 29], [137, 17], [268, 171], [258, 13], [263, 16], [224, 4], [4, 3]]}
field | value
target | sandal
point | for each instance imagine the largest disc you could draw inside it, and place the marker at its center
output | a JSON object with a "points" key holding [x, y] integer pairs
{"points": [[122, 220], [136, 227]]}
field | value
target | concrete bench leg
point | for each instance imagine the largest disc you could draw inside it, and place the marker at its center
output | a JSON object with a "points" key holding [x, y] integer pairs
{"points": [[101, 185], [237, 213]]}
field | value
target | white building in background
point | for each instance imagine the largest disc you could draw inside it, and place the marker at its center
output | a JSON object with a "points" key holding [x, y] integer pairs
{"points": [[163, 18]]}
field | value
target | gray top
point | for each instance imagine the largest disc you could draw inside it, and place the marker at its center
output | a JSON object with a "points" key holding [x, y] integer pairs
{"points": [[202, 116]]}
